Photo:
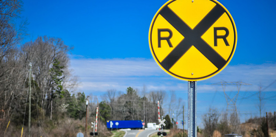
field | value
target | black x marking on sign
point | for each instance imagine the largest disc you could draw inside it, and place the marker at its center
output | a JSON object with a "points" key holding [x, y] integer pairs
{"points": [[192, 37]]}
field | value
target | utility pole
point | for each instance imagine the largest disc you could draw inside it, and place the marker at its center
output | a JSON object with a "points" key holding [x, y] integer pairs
{"points": [[30, 93], [144, 113], [267, 124], [183, 121], [158, 113], [86, 118], [173, 120]]}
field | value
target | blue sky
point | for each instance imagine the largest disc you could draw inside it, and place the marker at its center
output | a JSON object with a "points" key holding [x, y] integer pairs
{"points": [[111, 49]]}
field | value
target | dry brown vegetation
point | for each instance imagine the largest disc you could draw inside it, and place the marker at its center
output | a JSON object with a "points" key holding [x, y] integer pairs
{"points": [[253, 127], [66, 128]]}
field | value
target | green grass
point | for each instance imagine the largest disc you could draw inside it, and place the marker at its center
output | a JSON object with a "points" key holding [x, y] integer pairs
{"points": [[118, 133]]}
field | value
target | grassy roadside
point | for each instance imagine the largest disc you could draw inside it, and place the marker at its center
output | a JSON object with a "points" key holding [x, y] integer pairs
{"points": [[118, 133]]}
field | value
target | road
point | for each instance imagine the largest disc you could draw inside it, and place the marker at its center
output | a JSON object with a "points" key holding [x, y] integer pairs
{"points": [[139, 133], [146, 133]]}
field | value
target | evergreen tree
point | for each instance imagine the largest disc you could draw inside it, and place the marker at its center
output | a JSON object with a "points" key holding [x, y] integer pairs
{"points": [[72, 106], [105, 111], [57, 93], [57, 79], [168, 122], [81, 106]]}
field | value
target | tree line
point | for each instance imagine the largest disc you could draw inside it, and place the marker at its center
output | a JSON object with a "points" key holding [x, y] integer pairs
{"points": [[53, 95], [140, 105], [130, 106]]}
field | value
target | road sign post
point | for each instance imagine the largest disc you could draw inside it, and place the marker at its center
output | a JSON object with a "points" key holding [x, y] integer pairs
{"points": [[192, 40], [192, 132]]}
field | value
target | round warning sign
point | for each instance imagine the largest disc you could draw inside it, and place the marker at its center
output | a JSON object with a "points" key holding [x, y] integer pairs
{"points": [[192, 40]]}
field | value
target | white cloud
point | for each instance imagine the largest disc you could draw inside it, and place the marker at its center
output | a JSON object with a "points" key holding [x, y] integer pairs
{"points": [[104, 74], [116, 67], [254, 75]]}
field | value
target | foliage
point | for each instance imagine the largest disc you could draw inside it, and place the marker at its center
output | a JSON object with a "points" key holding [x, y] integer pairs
{"points": [[76, 105], [264, 128], [168, 122], [131, 91], [198, 130], [22, 108], [57, 77], [105, 111]]}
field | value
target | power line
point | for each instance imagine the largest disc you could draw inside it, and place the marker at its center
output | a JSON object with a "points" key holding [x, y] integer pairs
{"points": [[269, 85], [214, 97], [258, 92], [231, 101], [248, 96], [270, 97]]}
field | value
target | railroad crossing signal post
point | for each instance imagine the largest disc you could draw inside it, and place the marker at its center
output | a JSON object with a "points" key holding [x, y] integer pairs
{"points": [[161, 124], [93, 133], [93, 128], [95, 125]]}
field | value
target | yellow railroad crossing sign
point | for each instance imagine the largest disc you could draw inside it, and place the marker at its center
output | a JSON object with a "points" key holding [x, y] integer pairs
{"points": [[192, 40]]}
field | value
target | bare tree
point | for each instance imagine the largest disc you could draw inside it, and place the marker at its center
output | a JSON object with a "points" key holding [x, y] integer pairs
{"points": [[42, 53], [10, 70], [178, 109], [12, 82], [175, 109], [8, 34], [235, 123], [223, 126], [172, 102], [210, 122], [111, 98]]}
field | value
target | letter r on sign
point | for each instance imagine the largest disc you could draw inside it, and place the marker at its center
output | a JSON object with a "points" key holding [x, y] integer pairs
{"points": [[216, 37], [164, 38]]}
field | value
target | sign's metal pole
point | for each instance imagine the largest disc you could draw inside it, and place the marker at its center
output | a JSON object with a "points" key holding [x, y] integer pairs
{"points": [[183, 124], [192, 130]]}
